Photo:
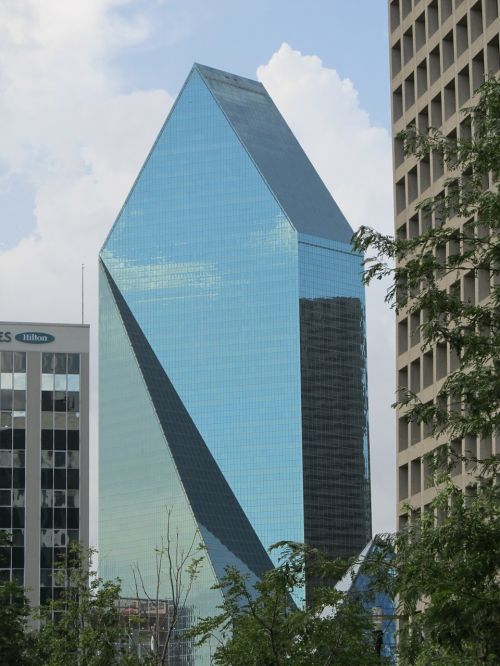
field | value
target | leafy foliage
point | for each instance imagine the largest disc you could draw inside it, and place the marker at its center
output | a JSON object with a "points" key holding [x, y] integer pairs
{"points": [[14, 611], [445, 576], [262, 625], [87, 623], [446, 566], [464, 241], [83, 626]]}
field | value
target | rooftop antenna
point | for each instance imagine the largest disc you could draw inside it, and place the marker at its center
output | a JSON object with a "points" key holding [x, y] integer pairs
{"points": [[83, 273]]}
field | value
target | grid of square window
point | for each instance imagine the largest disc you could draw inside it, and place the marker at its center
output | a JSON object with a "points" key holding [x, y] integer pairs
{"points": [[12, 463], [441, 52], [60, 465]]}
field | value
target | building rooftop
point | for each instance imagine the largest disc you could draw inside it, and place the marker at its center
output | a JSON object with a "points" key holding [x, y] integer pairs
{"points": [[277, 154]]}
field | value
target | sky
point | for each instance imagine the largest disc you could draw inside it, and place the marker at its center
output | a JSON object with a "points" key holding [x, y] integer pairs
{"points": [[85, 88]]}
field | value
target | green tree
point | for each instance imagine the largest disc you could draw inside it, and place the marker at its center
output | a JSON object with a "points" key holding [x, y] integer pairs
{"points": [[14, 611], [262, 625], [445, 577], [446, 566], [83, 625]]}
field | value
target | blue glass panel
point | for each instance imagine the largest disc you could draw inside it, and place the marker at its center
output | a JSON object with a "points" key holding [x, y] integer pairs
{"points": [[207, 262], [258, 329], [278, 155], [138, 480]]}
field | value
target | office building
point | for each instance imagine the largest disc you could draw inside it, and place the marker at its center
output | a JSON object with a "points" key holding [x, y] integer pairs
{"points": [[441, 51], [232, 347], [44, 396]]}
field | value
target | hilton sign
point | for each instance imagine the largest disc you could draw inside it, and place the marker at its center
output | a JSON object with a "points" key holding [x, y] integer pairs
{"points": [[29, 337]]}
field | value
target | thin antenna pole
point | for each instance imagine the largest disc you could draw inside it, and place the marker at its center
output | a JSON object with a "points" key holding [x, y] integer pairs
{"points": [[83, 311]]}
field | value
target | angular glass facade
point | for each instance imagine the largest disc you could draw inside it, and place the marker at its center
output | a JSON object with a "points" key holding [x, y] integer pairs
{"points": [[232, 354]]}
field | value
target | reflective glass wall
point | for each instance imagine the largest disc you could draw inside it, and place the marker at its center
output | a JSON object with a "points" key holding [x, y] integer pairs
{"points": [[209, 292], [337, 508], [207, 262]]}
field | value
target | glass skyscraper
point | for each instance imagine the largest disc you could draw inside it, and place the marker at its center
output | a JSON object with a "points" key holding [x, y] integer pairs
{"points": [[232, 347]]}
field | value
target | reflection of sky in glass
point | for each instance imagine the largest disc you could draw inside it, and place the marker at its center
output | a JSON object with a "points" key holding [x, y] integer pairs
{"points": [[216, 275], [207, 262], [138, 479]]}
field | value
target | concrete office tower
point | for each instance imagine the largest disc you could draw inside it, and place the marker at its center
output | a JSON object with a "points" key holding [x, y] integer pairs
{"points": [[44, 419], [440, 53], [232, 347]]}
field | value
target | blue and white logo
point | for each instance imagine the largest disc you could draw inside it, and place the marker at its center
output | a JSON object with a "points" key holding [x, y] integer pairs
{"points": [[35, 338]]}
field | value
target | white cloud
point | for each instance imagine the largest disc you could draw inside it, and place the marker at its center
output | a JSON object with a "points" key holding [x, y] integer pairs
{"points": [[354, 159], [79, 141]]}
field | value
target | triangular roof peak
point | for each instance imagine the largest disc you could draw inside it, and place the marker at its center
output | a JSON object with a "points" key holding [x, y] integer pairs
{"points": [[277, 154]]}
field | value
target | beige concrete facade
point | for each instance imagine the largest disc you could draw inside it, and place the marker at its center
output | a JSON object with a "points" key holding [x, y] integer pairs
{"points": [[440, 51]]}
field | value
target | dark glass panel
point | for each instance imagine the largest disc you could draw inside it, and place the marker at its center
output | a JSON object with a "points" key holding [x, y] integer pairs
{"points": [[19, 438], [59, 478], [47, 362], [5, 553], [73, 364], [18, 538], [6, 399], [47, 478], [18, 517], [17, 558], [73, 479], [73, 440], [45, 595], [73, 401], [334, 425], [60, 557], [73, 519], [47, 401], [59, 401], [18, 478], [6, 364], [19, 361], [58, 592], [19, 402], [47, 440], [60, 440], [61, 364], [5, 517], [60, 459], [18, 576], [5, 498], [5, 477], [60, 519], [5, 438], [46, 559], [46, 577], [46, 518], [73, 460], [73, 536]]}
